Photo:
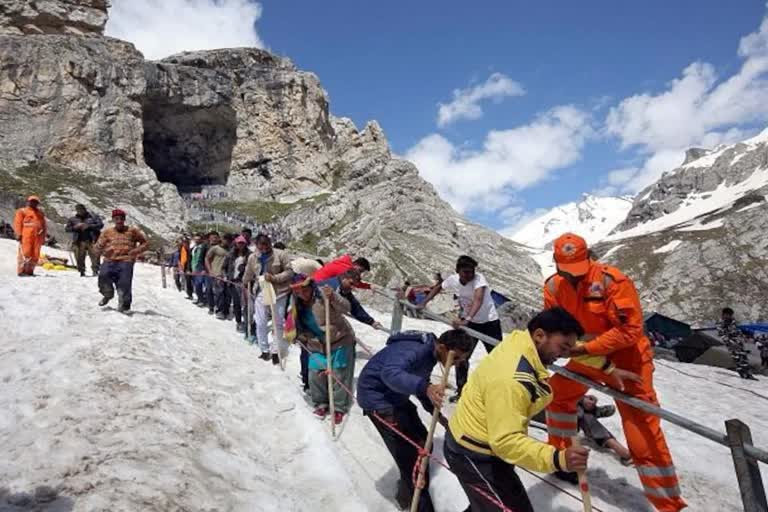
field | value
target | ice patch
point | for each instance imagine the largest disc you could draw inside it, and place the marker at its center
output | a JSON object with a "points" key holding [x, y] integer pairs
{"points": [[698, 226], [671, 246]]}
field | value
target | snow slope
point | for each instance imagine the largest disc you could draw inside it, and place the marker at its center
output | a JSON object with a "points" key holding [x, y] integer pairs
{"points": [[170, 410], [593, 218]]}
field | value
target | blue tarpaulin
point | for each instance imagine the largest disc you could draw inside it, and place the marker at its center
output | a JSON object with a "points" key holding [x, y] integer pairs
{"points": [[754, 327], [498, 298]]}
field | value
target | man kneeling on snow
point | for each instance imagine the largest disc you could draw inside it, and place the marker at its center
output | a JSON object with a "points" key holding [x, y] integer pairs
{"points": [[403, 368]]}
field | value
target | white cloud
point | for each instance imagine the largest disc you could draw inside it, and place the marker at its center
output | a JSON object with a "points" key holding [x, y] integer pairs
{"points": [[509, 160], [466, 102], [160, 28], [697, 109]]}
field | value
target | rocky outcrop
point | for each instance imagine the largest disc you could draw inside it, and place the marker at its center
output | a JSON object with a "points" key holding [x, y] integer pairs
{"points": [[74, 17], [87, 119], [695, 241]]}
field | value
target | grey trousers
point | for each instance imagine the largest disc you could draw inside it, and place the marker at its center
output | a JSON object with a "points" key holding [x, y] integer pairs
{"points": [[318, 385]]}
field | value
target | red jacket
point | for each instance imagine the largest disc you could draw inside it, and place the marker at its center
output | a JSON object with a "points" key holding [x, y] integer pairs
{"points": [[335, 268]]}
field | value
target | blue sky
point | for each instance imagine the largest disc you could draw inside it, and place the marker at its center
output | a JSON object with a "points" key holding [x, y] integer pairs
{"points": [[575, 97]]}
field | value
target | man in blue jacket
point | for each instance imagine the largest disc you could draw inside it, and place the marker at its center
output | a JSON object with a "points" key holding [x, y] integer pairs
{"points": [[401, 369]]}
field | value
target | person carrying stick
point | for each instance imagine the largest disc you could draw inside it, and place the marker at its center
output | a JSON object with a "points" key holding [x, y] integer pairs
{"points": [[488, 434], [402, 369]]}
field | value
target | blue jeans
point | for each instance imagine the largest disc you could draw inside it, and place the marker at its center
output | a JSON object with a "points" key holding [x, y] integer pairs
{"points": [[117, 274]]}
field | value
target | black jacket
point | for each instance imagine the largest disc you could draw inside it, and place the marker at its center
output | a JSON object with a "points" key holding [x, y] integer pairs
{"points": [[90, 233]]}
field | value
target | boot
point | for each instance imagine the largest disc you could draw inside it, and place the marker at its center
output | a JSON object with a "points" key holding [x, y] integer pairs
{"points": [[104, 301], [275, 359], [265, 356]]}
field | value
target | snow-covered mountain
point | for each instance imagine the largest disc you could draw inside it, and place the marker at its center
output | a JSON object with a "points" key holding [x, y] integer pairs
{"points": [[695, 241], [593, 217], [171, 410]]}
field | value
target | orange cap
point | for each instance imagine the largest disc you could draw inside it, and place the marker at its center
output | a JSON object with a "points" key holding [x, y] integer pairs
{"points": [[33, 198], [572, 254]]}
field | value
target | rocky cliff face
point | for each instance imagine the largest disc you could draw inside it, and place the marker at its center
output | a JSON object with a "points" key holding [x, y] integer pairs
{"points": [[76, 17], [87, 119], [695, 240]]}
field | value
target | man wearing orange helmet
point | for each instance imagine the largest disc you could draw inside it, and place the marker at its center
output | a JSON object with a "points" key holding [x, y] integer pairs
{"points": [[30, 228], [607, 305]]}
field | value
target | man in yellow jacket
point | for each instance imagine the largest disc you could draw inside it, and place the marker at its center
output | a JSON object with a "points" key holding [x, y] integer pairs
{"points": [[488, 433]]}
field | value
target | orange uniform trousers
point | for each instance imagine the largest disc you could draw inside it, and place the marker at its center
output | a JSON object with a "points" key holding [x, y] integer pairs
{"points": [[645, 438]]}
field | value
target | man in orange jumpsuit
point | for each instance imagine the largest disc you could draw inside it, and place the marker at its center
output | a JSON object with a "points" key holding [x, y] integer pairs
{"points": [[607, 305], [30, 229]]}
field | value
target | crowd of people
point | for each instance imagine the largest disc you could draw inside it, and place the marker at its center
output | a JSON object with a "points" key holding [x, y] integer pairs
{"points": [[591, 314]]}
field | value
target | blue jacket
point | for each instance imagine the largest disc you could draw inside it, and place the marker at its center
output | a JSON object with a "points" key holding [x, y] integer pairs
{"points": [[401, 369]]}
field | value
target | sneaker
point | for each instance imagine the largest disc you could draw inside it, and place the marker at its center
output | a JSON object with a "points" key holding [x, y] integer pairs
{"points": [[82, 273], [210, 311], [240, 327], [567, 476], [265, 356], [751, 377], [338, 418], [221, 316], [104, 301], [320, 413], [275, 359], [190, 298], [123, 308]]}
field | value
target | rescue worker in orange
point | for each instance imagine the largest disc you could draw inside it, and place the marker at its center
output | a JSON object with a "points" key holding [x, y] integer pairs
{"points": [[607, 305], [30, 228]]}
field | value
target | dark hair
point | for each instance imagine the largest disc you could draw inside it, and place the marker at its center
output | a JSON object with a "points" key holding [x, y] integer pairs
{"points": [[456, 339], [279, 245], [363, 263], [727, 311], [246, 230], [228, 237], [555, 320], [263, 238], [211, 233], [465, 262], [77, 206], [321, 262]]}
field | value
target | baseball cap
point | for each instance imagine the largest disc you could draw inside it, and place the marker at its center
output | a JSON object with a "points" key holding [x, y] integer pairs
{"points": [[300, 281], [117, 212], [572, 254], [33, 198]]}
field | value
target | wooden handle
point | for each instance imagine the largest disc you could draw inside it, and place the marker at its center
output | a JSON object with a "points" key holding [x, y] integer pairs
{"points": [[430, 436], [586, 495], [328, 361]]}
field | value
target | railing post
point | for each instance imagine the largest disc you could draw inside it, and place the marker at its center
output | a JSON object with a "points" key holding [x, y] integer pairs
{"points": [[747, 470], [162, 275], [397, 317]]}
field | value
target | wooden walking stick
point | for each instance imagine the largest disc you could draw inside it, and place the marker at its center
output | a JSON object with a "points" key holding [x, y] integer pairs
{"points": [[328, 365], [586, 495], [430, 437]]}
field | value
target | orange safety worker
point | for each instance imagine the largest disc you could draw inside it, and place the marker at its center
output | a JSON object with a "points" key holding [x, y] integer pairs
{"points": [[29, 226], [607, 305]]}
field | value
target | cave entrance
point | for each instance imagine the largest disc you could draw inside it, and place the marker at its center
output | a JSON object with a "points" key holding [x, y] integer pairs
{"points": [[190, 147]]}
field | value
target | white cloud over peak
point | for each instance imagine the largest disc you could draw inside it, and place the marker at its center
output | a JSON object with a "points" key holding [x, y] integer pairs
{"points": [[160, 28], [466, 102], [697, 109], [509, 160]]}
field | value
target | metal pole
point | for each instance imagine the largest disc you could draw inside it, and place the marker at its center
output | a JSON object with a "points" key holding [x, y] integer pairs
{"points": [[747, 469], [397, 318], [711, 434]]}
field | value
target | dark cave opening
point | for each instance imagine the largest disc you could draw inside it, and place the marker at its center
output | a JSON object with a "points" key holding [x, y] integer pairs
{"points": [[190, 147]]}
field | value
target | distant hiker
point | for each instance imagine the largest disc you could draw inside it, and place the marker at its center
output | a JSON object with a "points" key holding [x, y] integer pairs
{"points": [[120, 246], [607, 305], [275, 266], [200, 279], [589, 423], [476, 309], [733, 338], [85, 228], [403, 368], [340, 265], [185, 265], [172, 262], [310, 327], [488, 433], [214, 265], [30, 228], [234, 269]]}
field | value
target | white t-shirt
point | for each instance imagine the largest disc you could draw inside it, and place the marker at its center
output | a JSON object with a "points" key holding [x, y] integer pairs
{"points": [[466, 293]]}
